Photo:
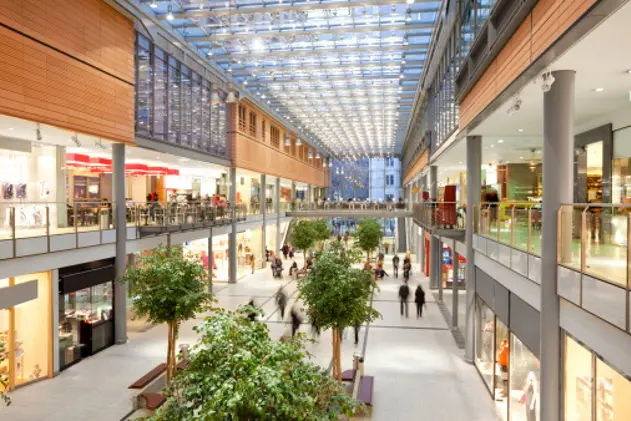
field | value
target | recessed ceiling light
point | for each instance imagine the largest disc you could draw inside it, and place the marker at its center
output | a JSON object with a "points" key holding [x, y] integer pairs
{"points": [[520, 130], [521, 157], [629, 71], [599, 89], [500, 141], [184, 159], [492, 146], [11, 129]]}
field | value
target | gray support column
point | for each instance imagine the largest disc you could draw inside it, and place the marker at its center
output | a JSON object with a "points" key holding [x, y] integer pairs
{"points": [[474, 183], [433, 183], [61, 195], [422, 251], [439, 269], [454, 288], [263, 200], [54, 279], [434, 262], [118, 196], [279, 237], [293, 194], [309, 194], [558, 183], [210, 260], [232, 237]]}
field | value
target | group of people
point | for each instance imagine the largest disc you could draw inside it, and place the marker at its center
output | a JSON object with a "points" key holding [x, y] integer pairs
{"points": [[419, 299]]}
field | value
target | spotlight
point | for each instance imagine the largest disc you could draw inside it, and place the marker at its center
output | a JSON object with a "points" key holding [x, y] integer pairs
{"points": [[75, 140], [547, 81], [38, 133], [516, 105], [170, 13], [153, 5]]}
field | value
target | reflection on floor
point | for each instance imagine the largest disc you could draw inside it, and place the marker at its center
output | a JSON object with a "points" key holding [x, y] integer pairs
{"points": [[419, 372]]}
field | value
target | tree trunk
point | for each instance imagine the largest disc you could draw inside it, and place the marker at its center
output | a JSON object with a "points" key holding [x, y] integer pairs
{"points": [[169, 345], [336, 369]]}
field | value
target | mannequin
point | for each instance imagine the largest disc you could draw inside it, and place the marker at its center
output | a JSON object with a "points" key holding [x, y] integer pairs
{"points": [[530, 398]]}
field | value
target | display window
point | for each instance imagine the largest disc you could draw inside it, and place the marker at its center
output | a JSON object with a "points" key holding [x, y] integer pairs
{"points": [[448, 269], [524, 382], [220, 259], [485, 342], [249, 251], [502, 353], [605, 399], [270, 237], [25, 331]]}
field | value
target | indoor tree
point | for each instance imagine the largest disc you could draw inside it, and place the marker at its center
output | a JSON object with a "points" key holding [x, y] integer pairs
{"points": [[236, 372], [168, 287], [303, 237], [337, 296], [368, 235], [322, 231]]}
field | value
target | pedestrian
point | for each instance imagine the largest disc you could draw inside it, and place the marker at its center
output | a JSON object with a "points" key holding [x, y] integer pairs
{"points": [[285, 250], [315, 327], [253, 263], [404, 293], [380, 272], [292, 268], [356, 327], [419, 299], [295, 321], [281, 302], [251, 312], [406, 272], [395, 265], [291, 252]]}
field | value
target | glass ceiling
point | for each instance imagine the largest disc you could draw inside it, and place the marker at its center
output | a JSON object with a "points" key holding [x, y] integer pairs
{"points": [[343, 72]]}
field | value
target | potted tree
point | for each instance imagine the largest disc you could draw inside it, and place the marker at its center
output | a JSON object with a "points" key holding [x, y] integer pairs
{"points": [[303, 237], [368, 235], [337, 296], [322, 232], [167, 287], [237, 372]]}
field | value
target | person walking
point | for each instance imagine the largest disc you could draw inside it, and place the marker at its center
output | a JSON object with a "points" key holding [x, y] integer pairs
{"points": [[295, 321], [285, 250], [406, 272], [395, 265], [404, 293], [281, 302], [419, 299]]}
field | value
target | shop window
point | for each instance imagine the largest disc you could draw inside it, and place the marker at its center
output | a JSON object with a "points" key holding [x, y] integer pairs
{"points": [[186, 111], [484, 342], [4, 348], [524, 382], [197, 114], [502, 354], [612, 394], [144, 85], [174, 109], [160, 94], [578, 382], [206, 117]]}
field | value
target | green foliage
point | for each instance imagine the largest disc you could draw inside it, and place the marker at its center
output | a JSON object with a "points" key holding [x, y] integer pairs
{"points": [[368, 234], [304, 235], [168, 286], [337, 294], [322, 230], [347, 256], [4, 376], [238, 373]]}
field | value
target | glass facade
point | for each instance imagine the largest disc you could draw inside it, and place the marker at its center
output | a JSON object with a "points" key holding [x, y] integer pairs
{"points": [[173, 102], [484, 341], [605, 399], [376, 179]]}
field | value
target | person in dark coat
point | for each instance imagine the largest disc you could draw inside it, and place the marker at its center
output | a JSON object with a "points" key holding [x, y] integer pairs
{"points": [[404, 293], [419, 299], [285, 250], [406, 271], [295, 321], [251, 314], [281, 302], [395, 265]]}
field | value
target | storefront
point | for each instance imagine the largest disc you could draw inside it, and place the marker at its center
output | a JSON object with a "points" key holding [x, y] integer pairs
{"points": [[270, 237], [448, 268], [249, 251], [26, 328], [506, 349], [86, 315], [249, 190], [593, 390], [219, 261]]}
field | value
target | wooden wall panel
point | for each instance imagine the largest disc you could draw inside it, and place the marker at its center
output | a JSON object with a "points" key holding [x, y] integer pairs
{"points": [[89, 30], [40, 84], [549, 20]]}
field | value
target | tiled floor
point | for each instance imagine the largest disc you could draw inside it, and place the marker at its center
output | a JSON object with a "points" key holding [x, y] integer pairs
{"points": [[419, 372]]}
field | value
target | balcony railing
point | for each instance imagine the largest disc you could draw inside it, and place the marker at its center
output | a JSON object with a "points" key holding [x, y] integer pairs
{"points": [[330, 205], [442, 215]]}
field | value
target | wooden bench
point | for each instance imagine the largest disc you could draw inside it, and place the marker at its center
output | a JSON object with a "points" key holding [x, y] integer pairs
{"points": [[153, 400], [366, 385], [149, 377], [348, 375]]}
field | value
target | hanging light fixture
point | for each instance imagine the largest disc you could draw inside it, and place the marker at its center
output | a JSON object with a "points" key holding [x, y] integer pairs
{"points": [[298, 142], [287, 140], [231, 98], [318, 155], [214, 98], [153, 4], [310, 155], [170, 13]]}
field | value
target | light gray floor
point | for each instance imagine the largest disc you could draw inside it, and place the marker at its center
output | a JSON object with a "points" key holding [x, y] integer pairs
{"points": [[419, 372]]}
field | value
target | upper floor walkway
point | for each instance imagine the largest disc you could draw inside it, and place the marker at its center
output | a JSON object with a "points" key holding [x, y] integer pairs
{"points": [[350, 209]]}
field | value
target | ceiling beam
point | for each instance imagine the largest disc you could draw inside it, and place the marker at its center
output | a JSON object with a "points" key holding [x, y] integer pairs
{"points": [[288, 7], [295, 93], [344, 78], [341, 29], [396, 64], [301, 53]]}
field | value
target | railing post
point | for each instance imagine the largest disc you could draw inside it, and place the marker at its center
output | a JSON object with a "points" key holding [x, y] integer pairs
{"points": [[583, 239], [512, 228], [497, 220], [76, 226], [47, 228], [628, 252], [13, 230]]}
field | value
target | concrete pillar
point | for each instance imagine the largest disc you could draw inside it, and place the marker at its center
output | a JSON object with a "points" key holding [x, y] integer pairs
{"points": [[277, 206], [54, 279], [118, 202], [454, 288], [232, 237], [433, 183], [263, 200], [293, 194], [210, 260], [439, 268], [474, 183], [422, 250], [434, 262], [558, 183]]}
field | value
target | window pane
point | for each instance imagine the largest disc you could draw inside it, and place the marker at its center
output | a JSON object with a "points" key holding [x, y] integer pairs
{"points": [[186, 85], [160, 95], [174, 101], [144, 87], [206, 111], [578, 382], [502, 350], [524, 382], [221, 149], [612, 394], [484, 338], [197, 106]]}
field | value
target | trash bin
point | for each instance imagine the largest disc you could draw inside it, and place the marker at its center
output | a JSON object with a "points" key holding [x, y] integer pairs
{"points": [[104, 220]]}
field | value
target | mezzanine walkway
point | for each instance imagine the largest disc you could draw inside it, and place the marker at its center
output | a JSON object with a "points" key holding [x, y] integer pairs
{"points": [[419, 371]]}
